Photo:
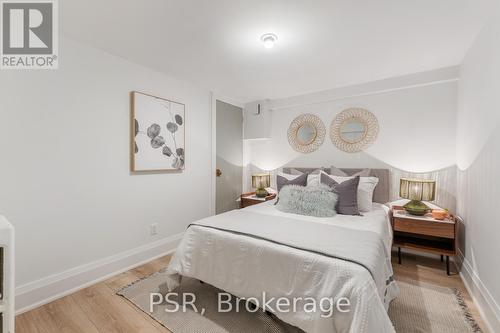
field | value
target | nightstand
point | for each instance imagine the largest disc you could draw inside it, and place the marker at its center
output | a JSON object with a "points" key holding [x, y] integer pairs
{"points": [[424, 234], [250, 199]]}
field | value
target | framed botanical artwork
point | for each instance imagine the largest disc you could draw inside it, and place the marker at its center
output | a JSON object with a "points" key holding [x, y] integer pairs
{"points": [[158, 133]]}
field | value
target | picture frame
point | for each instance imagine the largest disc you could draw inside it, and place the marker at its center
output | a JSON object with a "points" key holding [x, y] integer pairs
{"points": [[157, 136]]}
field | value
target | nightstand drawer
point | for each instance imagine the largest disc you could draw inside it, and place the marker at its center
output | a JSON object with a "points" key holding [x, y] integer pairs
{"points": [[437, 229], [248, 199]]}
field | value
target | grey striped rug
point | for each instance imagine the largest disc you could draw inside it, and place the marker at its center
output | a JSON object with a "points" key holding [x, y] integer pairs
{"points": [[421, 307]]}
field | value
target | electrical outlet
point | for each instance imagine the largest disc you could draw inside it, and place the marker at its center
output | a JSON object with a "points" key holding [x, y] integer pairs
{"points": [[153, 229]]}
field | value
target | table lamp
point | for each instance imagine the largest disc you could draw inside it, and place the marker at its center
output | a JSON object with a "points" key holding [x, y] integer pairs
{"points": [[260, 182], [417, 190]]}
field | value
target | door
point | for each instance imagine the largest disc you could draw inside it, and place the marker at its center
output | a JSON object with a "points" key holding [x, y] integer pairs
{"points": [[229, 151]]}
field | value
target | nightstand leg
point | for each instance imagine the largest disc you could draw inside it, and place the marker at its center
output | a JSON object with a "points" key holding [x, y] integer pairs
{"points": [[399, 255], [448, 265], [442, 258]]}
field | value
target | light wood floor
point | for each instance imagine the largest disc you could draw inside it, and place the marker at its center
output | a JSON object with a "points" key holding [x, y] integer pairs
{"points": [[98, 310]]}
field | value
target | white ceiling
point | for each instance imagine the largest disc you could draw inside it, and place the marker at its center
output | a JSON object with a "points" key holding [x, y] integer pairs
{"points": [[322, 44]]}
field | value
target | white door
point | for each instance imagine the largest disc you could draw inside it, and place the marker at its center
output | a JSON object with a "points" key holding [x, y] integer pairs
{"points": [[229, 150]]}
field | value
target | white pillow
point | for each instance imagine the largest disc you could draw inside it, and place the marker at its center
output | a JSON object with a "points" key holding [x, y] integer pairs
{"points": [[365, 191], [313, 180]]}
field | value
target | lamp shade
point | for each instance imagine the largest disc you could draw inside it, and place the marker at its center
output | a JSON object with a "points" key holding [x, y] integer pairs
{"points": [[417, 189], [262, 180]]}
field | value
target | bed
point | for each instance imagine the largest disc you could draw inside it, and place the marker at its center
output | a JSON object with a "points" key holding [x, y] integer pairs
{"points": [[260, 249]]}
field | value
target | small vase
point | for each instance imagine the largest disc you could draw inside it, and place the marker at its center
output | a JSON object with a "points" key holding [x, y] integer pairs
{"points": [[261, 193]]}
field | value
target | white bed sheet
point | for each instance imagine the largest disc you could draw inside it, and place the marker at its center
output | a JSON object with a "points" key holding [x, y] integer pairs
{"points": [[245, 267], [377, 220]]}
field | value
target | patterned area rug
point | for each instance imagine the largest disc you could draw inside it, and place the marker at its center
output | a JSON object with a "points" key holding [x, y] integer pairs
{"points": [[421, 307]]}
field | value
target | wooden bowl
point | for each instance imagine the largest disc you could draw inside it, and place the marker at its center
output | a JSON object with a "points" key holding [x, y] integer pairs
{"points": [[439, 214]]}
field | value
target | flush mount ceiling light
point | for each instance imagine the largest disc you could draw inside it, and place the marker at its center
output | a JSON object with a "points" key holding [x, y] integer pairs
{"points": [[269, 40]]}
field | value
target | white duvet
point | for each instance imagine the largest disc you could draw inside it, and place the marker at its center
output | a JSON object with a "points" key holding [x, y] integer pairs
{"points": [[246, 267]]}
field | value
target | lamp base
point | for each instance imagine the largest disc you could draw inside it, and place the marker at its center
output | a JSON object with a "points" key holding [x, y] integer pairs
{"points": [[416, 207], [261, 193]]}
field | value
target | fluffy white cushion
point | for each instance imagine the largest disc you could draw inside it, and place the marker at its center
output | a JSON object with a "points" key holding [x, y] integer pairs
{"points": [[317, 201], [365, 191]]}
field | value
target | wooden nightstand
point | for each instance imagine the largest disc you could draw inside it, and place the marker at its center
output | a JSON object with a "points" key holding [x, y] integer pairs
{"points": [[424, 234], [249, 199]]}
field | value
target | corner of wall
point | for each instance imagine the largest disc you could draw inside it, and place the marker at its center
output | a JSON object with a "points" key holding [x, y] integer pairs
{"points": [[488, 308]]}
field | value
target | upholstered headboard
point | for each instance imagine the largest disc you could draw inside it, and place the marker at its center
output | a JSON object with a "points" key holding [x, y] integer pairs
{"points": [[382, 191]]}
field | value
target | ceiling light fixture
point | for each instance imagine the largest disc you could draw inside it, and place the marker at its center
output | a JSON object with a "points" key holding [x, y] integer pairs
{"points": [[269, 40]]}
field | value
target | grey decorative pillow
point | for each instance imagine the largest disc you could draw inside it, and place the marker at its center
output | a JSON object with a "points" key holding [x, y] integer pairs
{"points": [[334, 171], [316, 201], [282, 181], [347, 203]]}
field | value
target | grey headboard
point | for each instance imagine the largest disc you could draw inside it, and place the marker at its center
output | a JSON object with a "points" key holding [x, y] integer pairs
{"points": [[382, 191]]}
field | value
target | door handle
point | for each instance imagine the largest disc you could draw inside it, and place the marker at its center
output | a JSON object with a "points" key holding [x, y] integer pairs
{"points": [[218, 172]]}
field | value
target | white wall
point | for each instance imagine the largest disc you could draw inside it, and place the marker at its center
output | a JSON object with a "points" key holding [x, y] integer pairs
{"points": [[417, 128], [64, 173], [478, 156], [257, 120]]}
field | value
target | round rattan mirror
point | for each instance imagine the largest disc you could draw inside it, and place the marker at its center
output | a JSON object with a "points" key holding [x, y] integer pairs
{"points": [[306, 133], [354, 129]]}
